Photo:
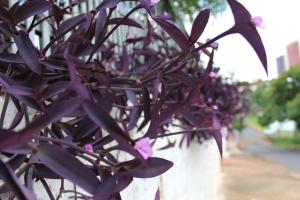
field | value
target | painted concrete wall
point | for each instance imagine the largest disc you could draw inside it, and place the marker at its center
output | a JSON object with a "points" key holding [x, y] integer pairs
{"points": [[194, 176]]}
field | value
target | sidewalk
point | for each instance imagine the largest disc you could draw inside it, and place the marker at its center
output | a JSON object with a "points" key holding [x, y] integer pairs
{"points": [[256, 144], [247, 177]]}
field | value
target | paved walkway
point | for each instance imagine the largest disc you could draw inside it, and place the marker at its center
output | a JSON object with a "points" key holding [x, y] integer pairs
{"points": [[256, 144], [260, 171], [247, 177]]}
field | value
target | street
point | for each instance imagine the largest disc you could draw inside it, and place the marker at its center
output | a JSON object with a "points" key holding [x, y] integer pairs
{"points": [[260, 171]]}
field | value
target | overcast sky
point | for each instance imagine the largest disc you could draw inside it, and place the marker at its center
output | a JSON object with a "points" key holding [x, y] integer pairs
{"points": [[282, 22]]}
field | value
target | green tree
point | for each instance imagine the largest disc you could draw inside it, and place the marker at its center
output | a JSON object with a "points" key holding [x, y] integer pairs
{"points": [[180, 8], [278, 99]]}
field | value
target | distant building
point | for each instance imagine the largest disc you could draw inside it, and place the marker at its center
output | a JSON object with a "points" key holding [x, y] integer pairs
{"points": [[281, 65], [293, 54]]}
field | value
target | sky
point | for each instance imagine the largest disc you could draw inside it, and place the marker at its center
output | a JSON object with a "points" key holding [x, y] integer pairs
{"points": [[282, 27]]}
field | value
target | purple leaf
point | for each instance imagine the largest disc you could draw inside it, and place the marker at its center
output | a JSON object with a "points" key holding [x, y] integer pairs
{"points": [[55, 64], [249, 32], [217, 133], [58, 14], [55, 89], [30, 8], [134, 115], [157, 195], [28, 51], [66, 165], [72, 23], [11, 58], [54, 113], [112, 185], [240, 13], [199, 25], [127, 22], [100, 22], [148, 169], [44, 172], [12, 181], [105, 121], [244, 26], [108, 4], [11, 139], [179, 37], [146, 108], [20, 90], [81, 90]]}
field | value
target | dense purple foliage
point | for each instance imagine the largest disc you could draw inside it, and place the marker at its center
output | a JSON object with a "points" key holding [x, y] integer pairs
{"points": [[91, 96]]}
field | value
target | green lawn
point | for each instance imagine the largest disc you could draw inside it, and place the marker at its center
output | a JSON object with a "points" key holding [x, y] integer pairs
{"points": [[286, 142]]}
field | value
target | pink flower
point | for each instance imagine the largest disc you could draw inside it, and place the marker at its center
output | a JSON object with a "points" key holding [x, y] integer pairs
{"points": [[215, 107], [89, 148], [213, 75], [144, 147], [257, 22], [200, 52], [153, 2]]}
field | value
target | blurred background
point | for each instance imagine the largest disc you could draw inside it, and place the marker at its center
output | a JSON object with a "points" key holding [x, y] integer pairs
{"points": [[263, 153]]}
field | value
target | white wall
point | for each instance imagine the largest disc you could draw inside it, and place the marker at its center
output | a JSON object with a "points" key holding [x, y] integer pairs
{"points": [[194, 176]]}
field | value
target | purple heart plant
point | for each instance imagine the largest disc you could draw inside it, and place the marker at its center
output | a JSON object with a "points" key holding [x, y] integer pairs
{"points": [[82, 95]]}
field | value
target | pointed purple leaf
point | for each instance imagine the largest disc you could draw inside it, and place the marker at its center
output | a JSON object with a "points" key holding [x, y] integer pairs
{"points": [[66, 165], [30, 8], [11, 58], [28, 51], [11, 139], [127, 22], [217, 133], [249, 32], [100, 22], [55, 64], [148, 169], [108, 4], [157, 195], [240, 13], [105, 121], [199, 25], [179, 37]]}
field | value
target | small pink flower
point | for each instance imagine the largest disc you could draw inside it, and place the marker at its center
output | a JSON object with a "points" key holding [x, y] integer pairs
{"points": [[215, 107], [153, 2], [213, 75], [166, 14], [200, 52], [89, 148], [257, 22], [224, 132], [144, 147]]}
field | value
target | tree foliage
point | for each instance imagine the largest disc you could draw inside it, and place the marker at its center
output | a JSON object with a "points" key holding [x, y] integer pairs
{"points": [[278, 99], [180, 8]]}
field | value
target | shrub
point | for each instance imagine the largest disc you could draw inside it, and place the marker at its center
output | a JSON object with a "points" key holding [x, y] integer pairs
{"points": [[90, 96]]}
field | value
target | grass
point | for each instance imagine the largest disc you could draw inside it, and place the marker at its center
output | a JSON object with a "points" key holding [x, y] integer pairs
{"points": [[286, 142]]}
